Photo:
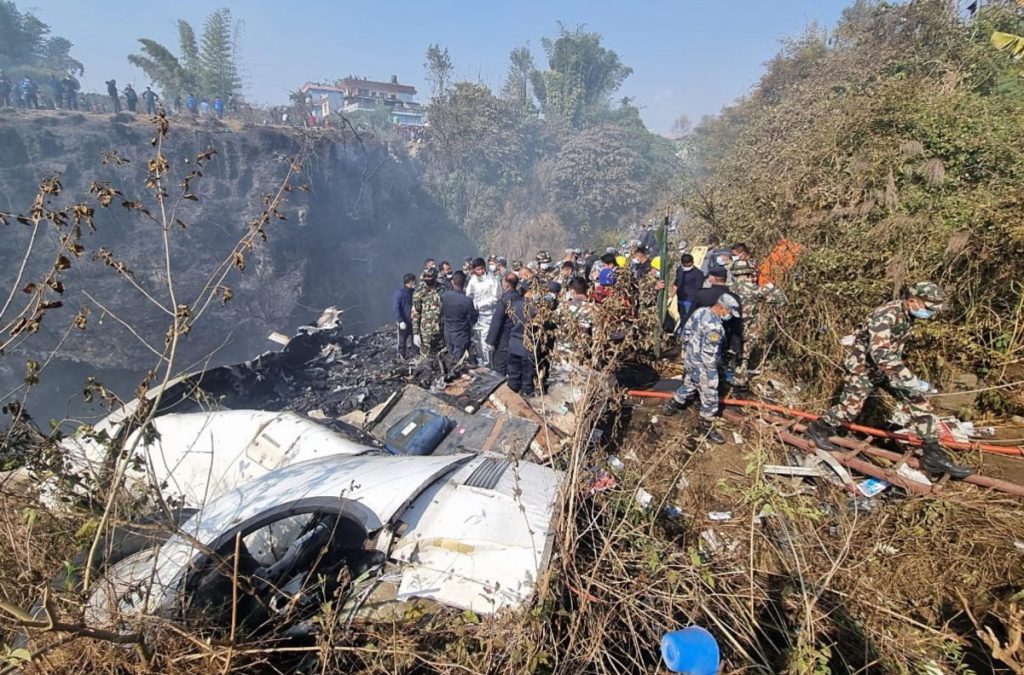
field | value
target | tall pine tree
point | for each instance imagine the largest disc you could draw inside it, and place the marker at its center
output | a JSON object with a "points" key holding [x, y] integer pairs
{"points": [[218, 69]]}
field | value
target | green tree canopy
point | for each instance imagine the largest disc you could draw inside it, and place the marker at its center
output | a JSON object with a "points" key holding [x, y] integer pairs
{"points": [[207, 69], [581, 78], [27, 48]]}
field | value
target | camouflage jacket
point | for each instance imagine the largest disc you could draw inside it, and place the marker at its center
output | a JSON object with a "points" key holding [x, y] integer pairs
{"points": [[753, 297], [878, 345], [575, 325], [426, 310], [703, 337]]}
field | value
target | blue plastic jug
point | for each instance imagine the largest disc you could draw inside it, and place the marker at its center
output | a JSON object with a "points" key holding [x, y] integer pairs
{"points": [[692, 651]]}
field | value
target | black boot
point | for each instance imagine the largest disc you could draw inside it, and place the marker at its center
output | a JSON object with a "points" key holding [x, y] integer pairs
{"points": [[705, 429], [935, 460], [818, 432], [673, 407]]}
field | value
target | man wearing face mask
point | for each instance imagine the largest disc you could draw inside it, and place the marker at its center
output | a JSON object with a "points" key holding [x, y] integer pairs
{"points": [[444, 276], [483, 289], [492, 268], [688, 281], [426, 314], [704, 340], [875, 359]]}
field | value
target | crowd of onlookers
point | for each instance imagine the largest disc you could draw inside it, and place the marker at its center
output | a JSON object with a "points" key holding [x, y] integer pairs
{"points": [[514, 317]]}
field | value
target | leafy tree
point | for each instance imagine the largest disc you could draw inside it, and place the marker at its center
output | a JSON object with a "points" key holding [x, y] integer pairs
{"points": [[207, 70], [582, 77], [163, 68], [516, 89], [218, 67], [496, 165], [439, 69], [27, 48], [891, 150]]}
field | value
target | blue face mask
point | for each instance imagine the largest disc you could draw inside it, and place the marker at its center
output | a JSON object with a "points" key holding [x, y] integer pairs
{"points": [[922, 313]]}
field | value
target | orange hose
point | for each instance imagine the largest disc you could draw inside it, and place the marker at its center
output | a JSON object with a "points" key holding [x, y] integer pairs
{"points": [[870, 431]]}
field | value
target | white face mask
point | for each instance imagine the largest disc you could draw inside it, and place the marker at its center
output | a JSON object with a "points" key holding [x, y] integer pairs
{"points": [[492, 267], [687, 268]]}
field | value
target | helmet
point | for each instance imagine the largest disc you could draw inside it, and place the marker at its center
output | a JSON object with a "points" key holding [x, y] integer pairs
{"points": [[502, 260], [429, 273], [606, 277], [928, 291], [543, 257], [742, 268], [730, 303]]}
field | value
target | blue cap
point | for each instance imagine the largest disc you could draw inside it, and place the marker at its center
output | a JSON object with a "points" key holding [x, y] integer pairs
{"points": [[606, 277]]}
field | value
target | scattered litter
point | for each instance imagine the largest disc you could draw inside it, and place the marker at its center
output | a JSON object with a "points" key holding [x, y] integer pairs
{"points": [[1019, 545], [862, 503], [736, 438], [615, 463], [654, 419], [672, 511], [872, 486], [887, 549], [720, 515], [716, 543], [602, 480], [912, 474], [786, 470], [644, 498], [631, 456]]}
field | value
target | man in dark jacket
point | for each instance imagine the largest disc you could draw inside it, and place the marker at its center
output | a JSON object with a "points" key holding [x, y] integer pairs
{"points": [[708, 297], [401, 305], [523, 342], [500, 332], [458, 316], [112, 93], [689, 280]]}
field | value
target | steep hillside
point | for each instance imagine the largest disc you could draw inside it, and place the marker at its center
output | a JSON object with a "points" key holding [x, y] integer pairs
{"points": [[345, 241]]}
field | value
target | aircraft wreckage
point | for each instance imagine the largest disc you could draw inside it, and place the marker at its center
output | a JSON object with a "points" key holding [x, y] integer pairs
{"points": [[319, 473]]}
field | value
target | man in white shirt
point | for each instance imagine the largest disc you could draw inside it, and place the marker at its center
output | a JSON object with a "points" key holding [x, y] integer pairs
{"points": [[485, 292]]}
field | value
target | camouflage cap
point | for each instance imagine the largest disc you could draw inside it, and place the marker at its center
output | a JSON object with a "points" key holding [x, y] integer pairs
{"points": [[730, 303], [502, 260], [742, 268], [543, 257], [517, 265], [429, 273], [928, 291]]}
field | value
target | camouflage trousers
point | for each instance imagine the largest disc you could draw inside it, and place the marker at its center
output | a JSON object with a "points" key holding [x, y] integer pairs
{"points": [[857, 386], [752, 339], [699, 380], [430, 344]]}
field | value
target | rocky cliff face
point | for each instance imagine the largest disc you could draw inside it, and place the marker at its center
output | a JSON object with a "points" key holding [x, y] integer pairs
{"points": [[363, 223]]}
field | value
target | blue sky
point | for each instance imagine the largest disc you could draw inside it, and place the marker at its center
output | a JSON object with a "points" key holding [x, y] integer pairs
{"points": [[689, 57]]}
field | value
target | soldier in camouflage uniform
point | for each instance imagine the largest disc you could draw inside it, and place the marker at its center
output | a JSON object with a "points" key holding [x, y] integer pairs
{"points": [[545, 270], [875, 359], [753, 299], [426, 314], [704, 338]]}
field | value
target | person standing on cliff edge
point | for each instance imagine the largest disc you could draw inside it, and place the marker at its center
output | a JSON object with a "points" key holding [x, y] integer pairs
{"points": [[112, 93]]}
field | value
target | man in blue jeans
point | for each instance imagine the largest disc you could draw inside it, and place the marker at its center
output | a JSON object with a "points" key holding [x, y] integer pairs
{"points": [[401, 305], [688, 281]]}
